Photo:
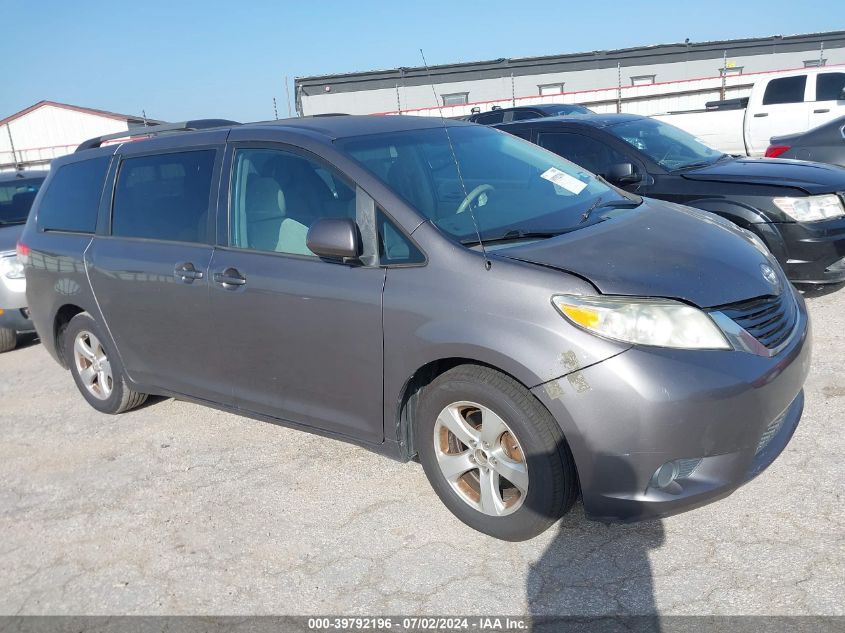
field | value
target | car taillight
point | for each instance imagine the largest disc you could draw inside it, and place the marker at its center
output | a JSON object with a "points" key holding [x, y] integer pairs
{"points": [[773, 151], [23, 253]]}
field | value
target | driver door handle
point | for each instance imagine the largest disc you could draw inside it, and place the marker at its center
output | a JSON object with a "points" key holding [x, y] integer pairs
{"points": [[761, 114], [821, 110], [230, 278]]}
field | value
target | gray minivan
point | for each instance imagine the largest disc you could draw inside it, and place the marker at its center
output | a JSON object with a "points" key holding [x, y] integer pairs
{"points": [[428, 289]]}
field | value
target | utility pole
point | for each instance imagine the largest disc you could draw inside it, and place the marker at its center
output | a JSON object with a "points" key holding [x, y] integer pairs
{"points": [[287, 92], [724, 74], [513, 93], [18, 164], [398, 101], [618, 87]]}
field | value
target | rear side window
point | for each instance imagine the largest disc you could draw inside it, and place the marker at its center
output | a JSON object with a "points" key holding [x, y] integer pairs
{"points": [[830, 87], [164, 196], [785, 90], [521, 115], [490, 118], [16, 198], [72, 197]]}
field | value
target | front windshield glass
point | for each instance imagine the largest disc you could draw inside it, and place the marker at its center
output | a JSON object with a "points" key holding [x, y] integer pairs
{"points": [[16, 198], [510, 185], [668, 146]]}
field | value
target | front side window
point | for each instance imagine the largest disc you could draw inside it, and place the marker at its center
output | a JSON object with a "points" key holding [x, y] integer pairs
{"points": [[830, 87], [164, 196], [582, 150], [72, 199], [785, 90], [668, 146], [506, 183], [16, 197], [276, 197]]}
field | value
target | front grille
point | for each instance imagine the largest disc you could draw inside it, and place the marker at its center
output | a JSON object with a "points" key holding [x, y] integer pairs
{"points": [[768, 319], [770, 432]]}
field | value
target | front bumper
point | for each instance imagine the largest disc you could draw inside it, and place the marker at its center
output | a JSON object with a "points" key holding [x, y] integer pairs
{"points": [[17, 319], [628, 415], [815, 251]]}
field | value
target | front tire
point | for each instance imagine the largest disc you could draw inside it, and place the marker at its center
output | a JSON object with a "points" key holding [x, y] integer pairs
{"points": [[8, 339], [96, 368], [493, 454]]}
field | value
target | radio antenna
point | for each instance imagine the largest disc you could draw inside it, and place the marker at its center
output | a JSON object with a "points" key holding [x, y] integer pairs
{"points": [[487, 263]]}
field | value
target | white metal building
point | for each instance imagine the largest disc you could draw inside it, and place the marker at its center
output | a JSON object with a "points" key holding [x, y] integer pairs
{"points": [[644, 80], [46, 130]]}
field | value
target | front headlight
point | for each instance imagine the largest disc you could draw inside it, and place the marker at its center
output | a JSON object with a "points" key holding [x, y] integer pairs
{"points": [[10, 266], [658, 322], [811, 208]]}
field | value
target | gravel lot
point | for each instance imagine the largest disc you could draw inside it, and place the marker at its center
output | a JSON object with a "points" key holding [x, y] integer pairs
{"points": [[179, 509]]}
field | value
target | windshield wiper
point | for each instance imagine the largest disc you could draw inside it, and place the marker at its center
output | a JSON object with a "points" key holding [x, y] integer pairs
{"points": [[703, 163], [611, 204], [515, 234]]}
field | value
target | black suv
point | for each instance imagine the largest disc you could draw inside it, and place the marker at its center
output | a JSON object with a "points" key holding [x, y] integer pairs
{"points": [[520, 113], [796, 208]]}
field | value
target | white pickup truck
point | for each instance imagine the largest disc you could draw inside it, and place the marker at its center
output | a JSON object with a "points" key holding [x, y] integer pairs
{"points": [[780, 103]]}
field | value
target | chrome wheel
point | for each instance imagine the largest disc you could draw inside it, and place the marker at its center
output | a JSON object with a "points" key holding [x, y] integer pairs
{"points": [[93, 365], [481, 458]]}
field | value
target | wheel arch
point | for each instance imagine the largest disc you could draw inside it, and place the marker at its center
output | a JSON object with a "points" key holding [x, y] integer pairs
{"points": [[403, 410], [61, 320]]}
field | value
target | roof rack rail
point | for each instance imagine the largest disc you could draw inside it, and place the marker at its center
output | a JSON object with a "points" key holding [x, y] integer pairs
{"points": [[153, 130]]}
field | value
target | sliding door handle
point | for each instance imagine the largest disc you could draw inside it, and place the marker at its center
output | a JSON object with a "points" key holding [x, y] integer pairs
{"points": [[230, 278], [187, 272]]}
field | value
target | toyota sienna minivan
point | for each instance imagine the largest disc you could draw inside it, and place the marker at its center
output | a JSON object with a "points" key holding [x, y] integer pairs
{"points": [[427, 289]]}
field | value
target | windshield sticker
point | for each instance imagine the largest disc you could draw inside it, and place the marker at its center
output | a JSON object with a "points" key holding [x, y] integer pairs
{"points": [[560, 179]]}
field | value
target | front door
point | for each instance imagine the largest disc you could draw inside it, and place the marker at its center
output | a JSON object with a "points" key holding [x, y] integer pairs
{"points": [[150, 276], [301, 338]]}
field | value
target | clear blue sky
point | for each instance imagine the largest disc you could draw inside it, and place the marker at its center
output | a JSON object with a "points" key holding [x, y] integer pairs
{"points": [[182, 59]]}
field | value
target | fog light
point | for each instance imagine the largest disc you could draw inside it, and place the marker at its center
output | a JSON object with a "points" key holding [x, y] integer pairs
{"points": [[665, 475], [670, 472]]}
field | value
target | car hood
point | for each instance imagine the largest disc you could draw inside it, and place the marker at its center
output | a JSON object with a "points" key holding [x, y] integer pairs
{"points": [[659, 249], [812, 178], [9, 235]]}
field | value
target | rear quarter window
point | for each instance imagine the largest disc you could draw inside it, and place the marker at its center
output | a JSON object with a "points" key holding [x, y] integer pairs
{"points": [[72, 197], [164, 196]]}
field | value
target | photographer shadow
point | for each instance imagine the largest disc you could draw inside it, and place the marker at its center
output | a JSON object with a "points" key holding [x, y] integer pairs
{"points": [[595, 570]]}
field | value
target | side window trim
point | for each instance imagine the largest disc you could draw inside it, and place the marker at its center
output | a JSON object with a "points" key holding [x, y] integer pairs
{"points": [[111, 189]]}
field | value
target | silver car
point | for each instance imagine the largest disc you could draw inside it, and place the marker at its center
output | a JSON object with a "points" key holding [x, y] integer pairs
{"points": [[17, 192]]}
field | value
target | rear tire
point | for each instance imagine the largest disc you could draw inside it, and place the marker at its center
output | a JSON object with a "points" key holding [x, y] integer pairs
{"points": [[8, 339], [96, 368], [522, 438]]}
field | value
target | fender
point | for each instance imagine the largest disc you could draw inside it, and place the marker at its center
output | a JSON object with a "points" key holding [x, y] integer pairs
{"points": [[746, 217]]}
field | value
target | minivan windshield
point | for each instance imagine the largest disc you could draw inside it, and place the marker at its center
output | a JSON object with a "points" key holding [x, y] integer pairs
{"points": [[514, 189], [668, 146], [16, 198]]}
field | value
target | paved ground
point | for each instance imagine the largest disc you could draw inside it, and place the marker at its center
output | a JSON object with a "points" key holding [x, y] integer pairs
{"points": [[175, 508]]}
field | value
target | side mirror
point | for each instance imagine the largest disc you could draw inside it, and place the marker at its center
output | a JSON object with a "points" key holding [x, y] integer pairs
{"points": [[334, 238], [622, 174]]}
